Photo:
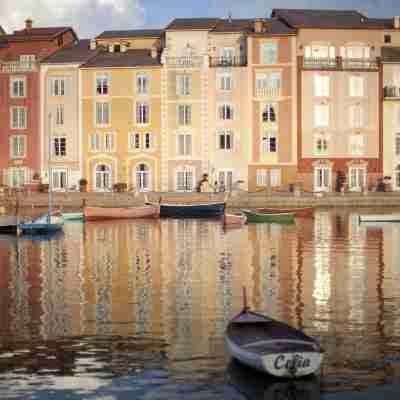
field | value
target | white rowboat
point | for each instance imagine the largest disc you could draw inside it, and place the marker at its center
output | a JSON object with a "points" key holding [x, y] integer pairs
{"points": [[379, 218]]}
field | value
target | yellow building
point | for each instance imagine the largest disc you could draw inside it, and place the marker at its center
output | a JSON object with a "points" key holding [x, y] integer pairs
{"points": [[121, 108]]}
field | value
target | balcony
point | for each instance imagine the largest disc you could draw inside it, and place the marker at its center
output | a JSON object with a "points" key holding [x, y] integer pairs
{"points": [[320, 63], [17, 66], [360, 63], [268, 92], [240, 61], [391, 92], [184, 62]]}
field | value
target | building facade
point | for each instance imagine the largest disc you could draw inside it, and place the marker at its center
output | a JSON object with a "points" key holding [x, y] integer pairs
{"points": [[20, 55]]}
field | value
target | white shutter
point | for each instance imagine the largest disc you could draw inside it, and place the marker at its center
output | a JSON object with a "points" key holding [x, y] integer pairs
{"points": [[178, 85], [189, 145], [307, 52]]}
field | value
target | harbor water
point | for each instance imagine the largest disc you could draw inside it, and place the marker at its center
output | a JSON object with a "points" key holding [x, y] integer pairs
{"points": [[138, 309]]}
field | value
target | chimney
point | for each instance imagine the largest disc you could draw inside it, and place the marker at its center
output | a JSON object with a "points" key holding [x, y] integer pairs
{"points": [[258, 25], [93, 44], [28, 24], [397, 22], [154, 52]]}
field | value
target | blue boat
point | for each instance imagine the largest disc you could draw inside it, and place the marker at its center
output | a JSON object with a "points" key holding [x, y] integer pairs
{"points": [[44, 224], [206, 210]]}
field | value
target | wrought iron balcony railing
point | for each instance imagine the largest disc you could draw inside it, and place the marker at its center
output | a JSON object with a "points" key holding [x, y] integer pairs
{"points": [[268, 92], [359, 63], [391, 92], [239, 61], [17, 66], [184, 62], [320, 62]]}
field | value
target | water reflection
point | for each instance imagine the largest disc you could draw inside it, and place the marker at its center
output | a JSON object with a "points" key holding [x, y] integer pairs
{"points": [[157, 295]]}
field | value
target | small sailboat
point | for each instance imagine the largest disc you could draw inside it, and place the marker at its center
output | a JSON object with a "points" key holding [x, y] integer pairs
{"points": [[51, 221], [379, 218], [279, 218], [303, 212], [272, 346]]}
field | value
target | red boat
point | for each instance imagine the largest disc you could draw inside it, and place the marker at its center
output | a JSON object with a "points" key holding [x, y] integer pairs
{"points": [[305, 212], [238, 219], [102, 213]]}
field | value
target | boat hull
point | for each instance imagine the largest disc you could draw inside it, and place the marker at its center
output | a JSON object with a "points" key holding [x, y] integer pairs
{"points": [[282, 218], [380, 218], [234, 219], [192, 210], [280, 364], [73, 216], [43, 225], [305, 212], [8, 224], [103, 213]]}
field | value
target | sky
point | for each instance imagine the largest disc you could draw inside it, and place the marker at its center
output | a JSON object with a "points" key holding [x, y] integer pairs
{"points": [[91, 17]]}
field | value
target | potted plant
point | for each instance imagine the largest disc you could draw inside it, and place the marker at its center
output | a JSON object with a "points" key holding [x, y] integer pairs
{"points": [[83, 185]]}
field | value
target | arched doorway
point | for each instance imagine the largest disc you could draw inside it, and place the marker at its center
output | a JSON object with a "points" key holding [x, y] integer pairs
{"points": [[142, 178], [103, 178]]}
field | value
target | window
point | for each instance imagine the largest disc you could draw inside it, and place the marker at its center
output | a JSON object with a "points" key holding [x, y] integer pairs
{"points": [[184, 145], [225, 82], [269, 53], [356, 116], [268, 114], [268, 84], [184, 180], [16, 177], [355, 52], [319, 52], [102, 84], [356, 145], [322, 178], [357, 178], [184, 114], [60, 146], [388, 39], [356, 85], [142, 84], [58, 86], [17, 146], [27, 58], [109, 142], [117, 48], [183, 85], [397, 144], [321, 85], [18, 117], [321, 145], [142, 113], [102, 113], [134, 141], [269, 143], [225, 140], [225, 180], [225, 112], [95, 142], [60, 114], [321, 115], [148, 141], [261, 177], [275, 175], [18, 87]]}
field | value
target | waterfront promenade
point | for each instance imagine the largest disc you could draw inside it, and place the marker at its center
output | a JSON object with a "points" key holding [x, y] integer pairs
{"points": [[239, 199]]}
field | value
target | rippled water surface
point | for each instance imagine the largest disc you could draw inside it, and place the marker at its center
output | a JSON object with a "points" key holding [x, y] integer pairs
{"points": [[137, 310]]}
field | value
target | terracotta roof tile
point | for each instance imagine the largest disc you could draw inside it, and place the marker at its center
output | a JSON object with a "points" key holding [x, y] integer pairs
{"points": [[131, 33]]}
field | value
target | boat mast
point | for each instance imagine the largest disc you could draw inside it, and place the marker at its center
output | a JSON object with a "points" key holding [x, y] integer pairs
{"points": [[49, 171]]}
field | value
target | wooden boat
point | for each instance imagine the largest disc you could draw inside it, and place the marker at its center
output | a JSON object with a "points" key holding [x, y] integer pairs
{"points": [[304, 212], [45, 223], [237, 219], [379, 218], [272, 346], [102, 213], [78, 216], [204, 210], [280, 218], [8, 224]]}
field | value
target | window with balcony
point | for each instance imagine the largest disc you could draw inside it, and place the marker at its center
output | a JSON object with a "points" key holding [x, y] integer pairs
{"points": [[268, 85], [225, 112], [58, 86], [320, 56], [269, 113], [102, 114], [142, 84], [27, 61], [356, 145], [355, 57], [18, 146], [269, 53], [60, 146], [142, 113], [225, 82], [269, 143], [184, 114], [321, 115], [60, 114], [225, 140], [356, 116], [356, 86], [95, 143], [321, 85], [109, 142], [102, 84], [321, 145], [18, 117], [18, 87], [183, 85], [227, 55], [184, 145]]}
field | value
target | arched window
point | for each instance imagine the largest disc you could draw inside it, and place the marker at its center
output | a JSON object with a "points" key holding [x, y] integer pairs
{"points": [[142, 177], [103, 177]]}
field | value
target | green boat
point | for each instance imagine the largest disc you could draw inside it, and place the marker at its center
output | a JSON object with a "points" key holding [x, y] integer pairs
{"points": [[279, 218], [73, 216]]}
